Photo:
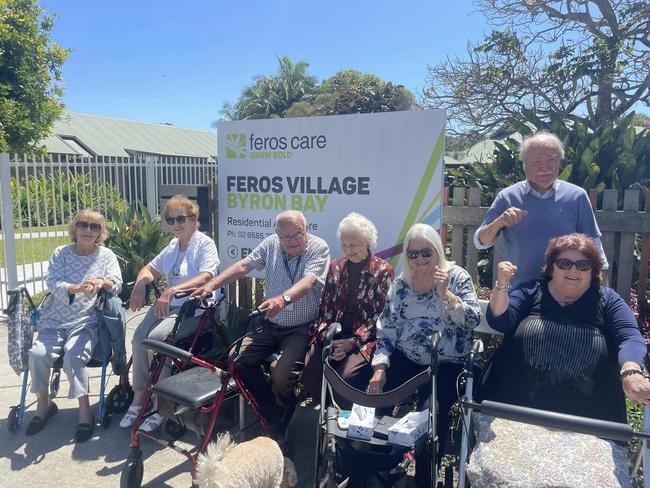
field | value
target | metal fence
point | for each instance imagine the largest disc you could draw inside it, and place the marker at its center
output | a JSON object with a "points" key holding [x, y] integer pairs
{"points": [[40, 195]]}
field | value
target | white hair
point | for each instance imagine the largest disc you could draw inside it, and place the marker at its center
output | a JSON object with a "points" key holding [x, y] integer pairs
{"points": [[541, 138], [358, 223], [291, 215], [430, 235]]}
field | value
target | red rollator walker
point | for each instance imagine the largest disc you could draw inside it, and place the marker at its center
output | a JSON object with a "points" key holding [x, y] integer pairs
{"points": [[192, 398]]}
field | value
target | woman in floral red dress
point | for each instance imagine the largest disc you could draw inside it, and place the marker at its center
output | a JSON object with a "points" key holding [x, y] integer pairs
{"points": [[354, 296]]}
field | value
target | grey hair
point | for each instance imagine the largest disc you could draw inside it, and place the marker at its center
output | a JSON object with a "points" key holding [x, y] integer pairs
{"points": [[541, 138], [429, 234], [356, 222], [291, 215]]}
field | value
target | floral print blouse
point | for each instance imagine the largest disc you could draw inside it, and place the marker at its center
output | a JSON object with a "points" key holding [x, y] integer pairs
{"points": [[409, 319], [376, 278]]}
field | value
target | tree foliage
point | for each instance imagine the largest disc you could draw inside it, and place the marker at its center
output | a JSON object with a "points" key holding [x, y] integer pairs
{"points": [[614, 155], [548, 56], [270, 96], [353, 92], [30, 75], [292, 92]]}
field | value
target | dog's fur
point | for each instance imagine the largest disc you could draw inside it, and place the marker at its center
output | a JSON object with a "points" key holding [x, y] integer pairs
{"points": [[253, 464]]}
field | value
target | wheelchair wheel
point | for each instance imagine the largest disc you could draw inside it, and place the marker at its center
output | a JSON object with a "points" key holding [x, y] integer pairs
{"points": [[117, 401], [55, 382], [12, 419], [106, 419], [172, 430], [133, 470]]}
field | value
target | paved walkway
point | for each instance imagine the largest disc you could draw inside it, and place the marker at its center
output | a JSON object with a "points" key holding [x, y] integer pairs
{"points": [[51, 458]]}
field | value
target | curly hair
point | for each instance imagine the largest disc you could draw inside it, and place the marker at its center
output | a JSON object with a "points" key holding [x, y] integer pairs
{"points": [[576, 242], [356, 222]]}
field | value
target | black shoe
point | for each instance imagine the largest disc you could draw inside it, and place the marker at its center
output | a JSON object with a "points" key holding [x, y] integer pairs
{"points": [[37, 423], [85, 431]]}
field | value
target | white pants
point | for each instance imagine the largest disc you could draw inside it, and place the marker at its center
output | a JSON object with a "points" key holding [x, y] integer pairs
{"points": [[75, 344]]}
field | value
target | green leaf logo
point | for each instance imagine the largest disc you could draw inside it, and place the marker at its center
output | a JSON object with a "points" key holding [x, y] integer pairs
{"points": [[235, 146]]}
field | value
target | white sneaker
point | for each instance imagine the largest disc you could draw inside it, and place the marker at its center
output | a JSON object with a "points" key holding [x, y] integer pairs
{"points": [[130, 416], [151, 423]]}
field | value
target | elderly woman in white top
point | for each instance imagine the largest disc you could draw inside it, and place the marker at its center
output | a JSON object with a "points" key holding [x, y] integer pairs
{"points": [[68, 323], [430, 294], [190, 260]]}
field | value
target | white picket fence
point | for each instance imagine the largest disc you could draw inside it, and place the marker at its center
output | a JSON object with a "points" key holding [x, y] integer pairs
{"points": [[35, 222]]}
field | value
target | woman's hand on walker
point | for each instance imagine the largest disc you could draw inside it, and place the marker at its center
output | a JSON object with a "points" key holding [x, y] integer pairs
{"points": [[137, 298], [377, 382], [341, 348]]}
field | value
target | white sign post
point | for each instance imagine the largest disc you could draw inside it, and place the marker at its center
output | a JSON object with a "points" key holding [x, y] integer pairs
{"points": [[386, 166]]}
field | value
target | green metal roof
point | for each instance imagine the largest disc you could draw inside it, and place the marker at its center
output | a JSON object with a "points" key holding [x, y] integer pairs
{"points": [[107, 136]]}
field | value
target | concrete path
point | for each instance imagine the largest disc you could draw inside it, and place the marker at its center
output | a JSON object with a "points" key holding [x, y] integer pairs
{"points": [[51, 458]]}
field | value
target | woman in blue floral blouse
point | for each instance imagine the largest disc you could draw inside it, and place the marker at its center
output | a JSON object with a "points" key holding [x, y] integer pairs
{"points": [[430, 294]]}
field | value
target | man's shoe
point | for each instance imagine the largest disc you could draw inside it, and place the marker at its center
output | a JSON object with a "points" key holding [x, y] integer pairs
{"points": [[37, 423]]}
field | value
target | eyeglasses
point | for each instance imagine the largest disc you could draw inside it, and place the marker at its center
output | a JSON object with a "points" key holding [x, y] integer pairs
{"points": [[296, 237], [425, 253], [85, 225], [566, 264], [179, 219]]}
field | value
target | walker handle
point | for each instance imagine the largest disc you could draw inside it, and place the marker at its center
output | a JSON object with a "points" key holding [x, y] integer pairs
{"points": [[167, 350]]}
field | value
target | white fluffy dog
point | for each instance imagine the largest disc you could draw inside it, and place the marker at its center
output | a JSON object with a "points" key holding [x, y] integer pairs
{"points": [[253, 464]]}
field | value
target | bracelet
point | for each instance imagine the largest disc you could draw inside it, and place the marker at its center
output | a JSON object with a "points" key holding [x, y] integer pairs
{"points": [[630, 371], [501, 289]]}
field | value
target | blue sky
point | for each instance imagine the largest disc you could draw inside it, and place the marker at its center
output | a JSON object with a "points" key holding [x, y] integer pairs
{"points": [[177, 62]]}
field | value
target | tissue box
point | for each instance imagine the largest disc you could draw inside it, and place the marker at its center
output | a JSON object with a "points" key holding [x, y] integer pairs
{"points": [[409, 428], [361, 422]]}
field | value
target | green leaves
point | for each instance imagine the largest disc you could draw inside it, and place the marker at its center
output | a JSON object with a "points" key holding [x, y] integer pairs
{"points": [[30, 72], [136, 238]]}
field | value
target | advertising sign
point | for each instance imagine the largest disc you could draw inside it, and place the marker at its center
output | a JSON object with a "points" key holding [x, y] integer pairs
{"points": [[386, 166]]}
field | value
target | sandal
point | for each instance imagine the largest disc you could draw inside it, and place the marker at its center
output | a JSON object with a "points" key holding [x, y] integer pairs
{"points": [[151, 423], [130, 416], [85, 431], [37, 423]]}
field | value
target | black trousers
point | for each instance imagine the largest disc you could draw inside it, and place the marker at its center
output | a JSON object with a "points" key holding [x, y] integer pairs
{"points": [[291, 343], [402, 369]]}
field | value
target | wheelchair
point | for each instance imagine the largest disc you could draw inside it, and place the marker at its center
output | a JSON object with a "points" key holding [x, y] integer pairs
{"points": [[334, 460], [203, 380], [24, 323]]}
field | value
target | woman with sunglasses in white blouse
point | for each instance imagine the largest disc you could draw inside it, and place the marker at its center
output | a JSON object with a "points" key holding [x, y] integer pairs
{"points": [[431, 294], [189, 261], [570, 345]]}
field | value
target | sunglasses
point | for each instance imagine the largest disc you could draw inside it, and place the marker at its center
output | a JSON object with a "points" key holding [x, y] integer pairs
{"points": [[566, 264], [179, 219], [85, 225], [425, 253]]}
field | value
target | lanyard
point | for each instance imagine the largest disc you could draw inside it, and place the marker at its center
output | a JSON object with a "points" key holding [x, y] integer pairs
{"points": [[292, 276]]}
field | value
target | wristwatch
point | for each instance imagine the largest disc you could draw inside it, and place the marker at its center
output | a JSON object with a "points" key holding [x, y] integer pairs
{"points": [[287, 299]]}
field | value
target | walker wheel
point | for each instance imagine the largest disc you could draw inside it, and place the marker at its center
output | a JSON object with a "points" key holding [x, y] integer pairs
{"points": [[173, 430], [55, 382], [12, 419], [133, 470], [118, 401]]}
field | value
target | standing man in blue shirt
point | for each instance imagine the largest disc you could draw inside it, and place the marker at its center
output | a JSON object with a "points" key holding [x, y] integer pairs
{"points": [[531, 212]]}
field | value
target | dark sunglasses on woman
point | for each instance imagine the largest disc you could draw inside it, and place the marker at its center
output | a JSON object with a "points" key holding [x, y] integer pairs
{"points": [[566, 264], [425, 253], [84, 225], [179, 219]]}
